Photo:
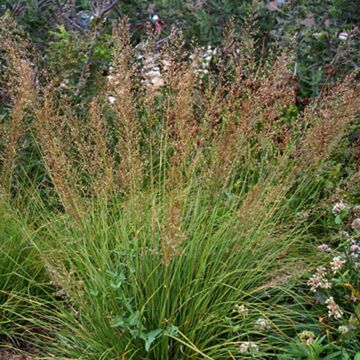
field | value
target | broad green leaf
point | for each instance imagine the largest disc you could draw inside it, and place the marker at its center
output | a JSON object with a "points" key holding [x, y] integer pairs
{"points": [[172, 330], [94, 292], [117, 322], [150, 337], [134, 318]]}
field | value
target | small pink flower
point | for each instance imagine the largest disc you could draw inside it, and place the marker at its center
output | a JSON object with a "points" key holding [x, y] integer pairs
{"points": [[356, 224], [319, 280], [324, 247], [338, 207], [333, 308], [336, 264]]}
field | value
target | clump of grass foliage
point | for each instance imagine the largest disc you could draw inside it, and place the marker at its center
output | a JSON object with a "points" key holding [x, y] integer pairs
{"points": [[172, 223], [21, 276]]}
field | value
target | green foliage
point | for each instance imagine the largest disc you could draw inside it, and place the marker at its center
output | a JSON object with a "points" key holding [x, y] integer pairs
{"points": [[20, 274], [316, 350], [132, 302], [315, 27], [78, 62]]}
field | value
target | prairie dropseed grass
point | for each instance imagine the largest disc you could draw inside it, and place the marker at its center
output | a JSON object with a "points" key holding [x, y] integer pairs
{"points": [[176, 232]]}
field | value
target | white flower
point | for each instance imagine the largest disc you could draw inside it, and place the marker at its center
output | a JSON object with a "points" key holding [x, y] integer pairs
{"points": [[355, 249], [111, 99], [153, 73], [155, 18], [318, 280], [343, 36], [356, 209], [342, 329], [244, 347], [307, 337], [303, 215], [241, 309], [336, 264], [203, 71], [166, 64], [149, 60], [248, 346], [333, 309], [157, 82], [353, 298], [338, 207], [262, 324], [356, 224]]}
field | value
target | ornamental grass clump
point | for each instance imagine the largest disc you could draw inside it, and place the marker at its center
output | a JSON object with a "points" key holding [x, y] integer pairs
{"points": [[176, 205]]}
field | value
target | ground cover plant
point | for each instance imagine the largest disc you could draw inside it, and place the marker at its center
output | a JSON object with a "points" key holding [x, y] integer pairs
{"points": [[177, 213]]}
